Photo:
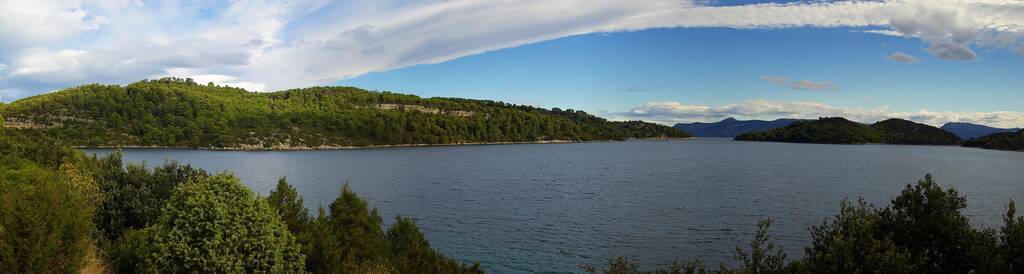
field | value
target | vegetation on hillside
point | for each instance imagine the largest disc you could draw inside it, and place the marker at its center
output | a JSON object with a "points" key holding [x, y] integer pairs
{"points": [[182, 113], [923, 230], [1002, 141], [58, 207], [837, 130]]}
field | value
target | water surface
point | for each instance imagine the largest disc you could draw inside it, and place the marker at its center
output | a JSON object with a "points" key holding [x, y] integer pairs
{"points": [[551, 207]]}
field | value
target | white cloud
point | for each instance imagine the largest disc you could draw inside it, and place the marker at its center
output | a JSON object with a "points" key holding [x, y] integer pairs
{"points": [[310, 42], [675, 112], [899, 57]]}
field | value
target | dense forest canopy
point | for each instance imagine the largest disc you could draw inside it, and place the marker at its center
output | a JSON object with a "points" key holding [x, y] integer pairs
{"points": [[182, 113], [837, 130]]}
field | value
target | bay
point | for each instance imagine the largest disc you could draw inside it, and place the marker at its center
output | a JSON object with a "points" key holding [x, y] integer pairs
{"points": [[551, 207]]}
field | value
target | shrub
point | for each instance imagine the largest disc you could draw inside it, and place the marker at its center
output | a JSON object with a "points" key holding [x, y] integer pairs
{"points": [[46, 224], [215, 224]]}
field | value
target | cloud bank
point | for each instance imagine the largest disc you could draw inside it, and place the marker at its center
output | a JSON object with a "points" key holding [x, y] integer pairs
{"points": [[271, 45], [675, 112]]}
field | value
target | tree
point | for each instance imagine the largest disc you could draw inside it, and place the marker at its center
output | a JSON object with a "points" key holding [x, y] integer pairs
{"points": [[850, 242], [1012, 240], [215, 224], [411, 253], [288, 204], [764, 256], [926, 220], [350, 239]]}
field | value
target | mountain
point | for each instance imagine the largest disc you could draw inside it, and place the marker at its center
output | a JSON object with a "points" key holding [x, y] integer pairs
{"points": [[181, 113], [1001, 141], [970, 131], [837, 130], [731, 127]]}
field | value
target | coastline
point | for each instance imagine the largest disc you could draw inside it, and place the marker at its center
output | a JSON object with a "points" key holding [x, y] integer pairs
{"points": [[306, 148]]}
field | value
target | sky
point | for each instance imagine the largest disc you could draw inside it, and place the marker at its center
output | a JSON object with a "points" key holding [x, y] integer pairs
{"points": [[665, 61]]}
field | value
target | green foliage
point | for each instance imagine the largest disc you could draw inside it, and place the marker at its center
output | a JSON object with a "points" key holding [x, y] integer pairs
{"points": [[348, 238], [824, 130], [179, 112], [899, 131], [926, 220], [411, 253], [45, 221], [288, 204], [764, 256], [850, 243], [1012, 240], [1001, 141], [134, 196], [838, 130], [215, 225]]}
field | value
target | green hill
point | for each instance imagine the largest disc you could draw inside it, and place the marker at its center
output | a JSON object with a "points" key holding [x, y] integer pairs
{"points": [[1002, 141], [837, 130], [899, 131], [182, 113]]}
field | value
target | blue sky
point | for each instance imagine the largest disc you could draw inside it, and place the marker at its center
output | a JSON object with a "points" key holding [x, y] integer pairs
{"points": [[667, 61]]}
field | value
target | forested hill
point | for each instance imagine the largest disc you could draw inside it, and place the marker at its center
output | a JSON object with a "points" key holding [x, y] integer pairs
{"points": [[181, 113], [1002, 141], [837, 130]]}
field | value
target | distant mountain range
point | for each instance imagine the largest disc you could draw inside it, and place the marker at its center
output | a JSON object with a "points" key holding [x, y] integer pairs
{"points": [[969, 131], [731, 127]]}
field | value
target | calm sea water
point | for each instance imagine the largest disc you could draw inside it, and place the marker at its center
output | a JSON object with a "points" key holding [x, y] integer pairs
{"points": [[551, 207]]}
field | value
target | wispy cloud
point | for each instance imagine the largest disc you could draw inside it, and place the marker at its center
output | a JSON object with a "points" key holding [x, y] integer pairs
{"points": [[775, 80], [799, 84], [899, 57], [48, 44], [669, 112]]}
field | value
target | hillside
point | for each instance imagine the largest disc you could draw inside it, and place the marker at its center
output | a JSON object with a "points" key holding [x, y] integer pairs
{"points": [[899, 131], [969, 131], [731, 127], [182, 113], [838, 130], [1001, 141], [835, 130]]}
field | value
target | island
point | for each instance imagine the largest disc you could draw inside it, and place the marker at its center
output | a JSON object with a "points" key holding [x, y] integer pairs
{"points": [[1001, 141], [175, 112], [838, 130]]}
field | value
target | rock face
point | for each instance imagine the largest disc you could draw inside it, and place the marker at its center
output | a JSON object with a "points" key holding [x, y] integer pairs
{"points": [[730, 127], [969, 131]]}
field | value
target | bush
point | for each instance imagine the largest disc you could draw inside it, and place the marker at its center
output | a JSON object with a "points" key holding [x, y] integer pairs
{"points": [[850, 243], [134, 195], [215, 224], [45, 223]]}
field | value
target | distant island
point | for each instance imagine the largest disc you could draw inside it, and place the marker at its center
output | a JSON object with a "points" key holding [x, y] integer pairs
{"points": [[969, 131], [1001, 141], [837, 130], [174, 112], [730, 127]]}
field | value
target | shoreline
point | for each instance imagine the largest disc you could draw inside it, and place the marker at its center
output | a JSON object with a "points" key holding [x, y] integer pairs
{"points": [[305, 148]]}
